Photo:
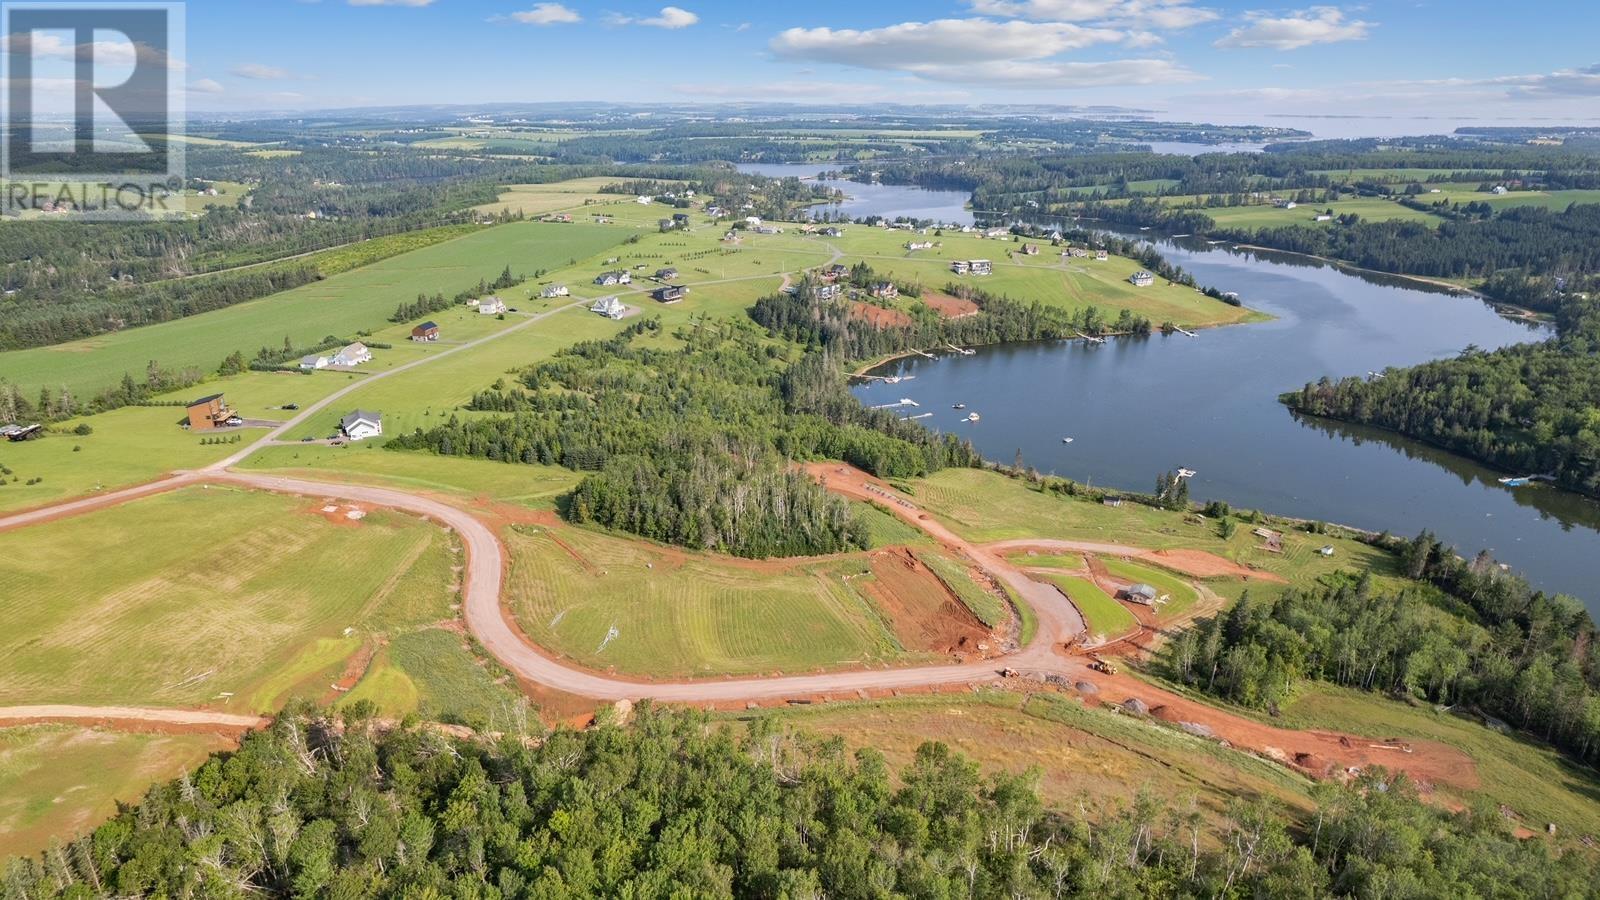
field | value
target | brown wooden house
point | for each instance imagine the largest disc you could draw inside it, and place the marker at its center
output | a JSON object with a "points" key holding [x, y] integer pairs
{"points": [[209, 413]]}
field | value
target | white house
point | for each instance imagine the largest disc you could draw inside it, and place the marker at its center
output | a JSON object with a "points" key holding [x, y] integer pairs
{"points": [[610, 307], [555, 290], [1324, 217], [1141, 279], [491, 306], [981, 266], [353, 355], [644, 201], [360, 425], [752, 221], [311, 363], [1499, 189]]}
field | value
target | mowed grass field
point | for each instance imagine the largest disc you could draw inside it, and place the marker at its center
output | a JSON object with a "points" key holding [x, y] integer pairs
{"points": [[568, 196], [342, 305], [1369, 209], [985, 507], [1105, 616], [58, 781], [609, 603], [218, 597], [1181, 595]]}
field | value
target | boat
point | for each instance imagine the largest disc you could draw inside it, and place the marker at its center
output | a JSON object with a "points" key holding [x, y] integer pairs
{"points": [[1066, 440], [1517, 481], [1187, 473], [973, 417], [959, 406]]}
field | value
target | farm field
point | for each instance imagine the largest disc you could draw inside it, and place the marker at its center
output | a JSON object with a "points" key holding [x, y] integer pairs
{"points": [[342, 305], [1082, 754], [58, 780], [1556, 201], [609, 603], [1106, 617], [986, 507], [565, 196], [247, 598]]}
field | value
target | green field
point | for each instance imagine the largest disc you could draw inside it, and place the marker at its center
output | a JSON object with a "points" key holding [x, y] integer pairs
{"points": [[1369, 209], [57, 781], [610, 603], [436, 674], [536, 486], [1556, 201], [219, 597], [985, 507], [1104, 614], [341, 306]]}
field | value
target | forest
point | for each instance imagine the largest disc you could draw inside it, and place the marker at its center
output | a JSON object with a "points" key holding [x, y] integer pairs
{"points": [[1472, 636], [675, 805], [694, 445], [1530, 409]]}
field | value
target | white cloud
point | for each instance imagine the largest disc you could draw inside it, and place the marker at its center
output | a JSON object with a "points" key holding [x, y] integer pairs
{"points": [[1162, 14], [982, 51], [391, 2], [259, 72], [1584, 82], [1317, 25], [671, 17], [941, 42], [548, 14], [817, 91], [205, 86]]}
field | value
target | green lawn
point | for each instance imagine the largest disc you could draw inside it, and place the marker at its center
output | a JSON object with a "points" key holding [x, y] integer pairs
{"points": [[1104, 614], [58, 781], [218, 597], [536, 486], [610, 603], [1181, 595], [437, 675], [342, 305], [1369, 209]]}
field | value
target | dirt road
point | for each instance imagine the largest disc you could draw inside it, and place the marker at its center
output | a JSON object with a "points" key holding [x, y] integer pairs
{"points": [[165, 718]]}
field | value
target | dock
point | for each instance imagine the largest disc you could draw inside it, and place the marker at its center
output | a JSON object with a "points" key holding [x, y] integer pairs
{"points": [[1092, 340], [1183, 331], [903, 401], [961, 351], [916, 417]]}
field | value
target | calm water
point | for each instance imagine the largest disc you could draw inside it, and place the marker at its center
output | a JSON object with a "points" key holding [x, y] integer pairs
{"points": [[1139, 407], [948, 207]]}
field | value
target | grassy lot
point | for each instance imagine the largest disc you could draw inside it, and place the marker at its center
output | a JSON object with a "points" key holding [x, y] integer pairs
{"points": [[889, 530], [1540, 784], [984, 507], [58, 781], [568, 196], [1369, 209], [341, 305], [610, 603], [1104, 615], [436, 674], [128, 446], [1182, 594], [243, 600], [990, 610], [1082, 755], [1463, 194], [535, 486]]}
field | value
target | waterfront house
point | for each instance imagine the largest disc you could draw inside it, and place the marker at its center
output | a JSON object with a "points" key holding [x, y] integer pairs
{"points": [[1141, 278]]}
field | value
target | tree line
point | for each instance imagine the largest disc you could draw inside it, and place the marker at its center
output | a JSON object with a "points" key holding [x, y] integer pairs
{"points": [[1473, 636], [674, 805]]}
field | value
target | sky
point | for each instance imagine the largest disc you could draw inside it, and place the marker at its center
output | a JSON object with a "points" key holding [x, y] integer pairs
{"points": [[1441, 60]]}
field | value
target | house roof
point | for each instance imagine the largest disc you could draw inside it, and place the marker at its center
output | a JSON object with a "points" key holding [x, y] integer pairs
{"points": [[204, 400], [425, 326], [1141, 590], [350, 421], [312, 359]]}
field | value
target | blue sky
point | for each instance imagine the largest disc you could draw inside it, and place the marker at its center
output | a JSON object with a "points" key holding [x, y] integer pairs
{"points": [[1185, 58]]}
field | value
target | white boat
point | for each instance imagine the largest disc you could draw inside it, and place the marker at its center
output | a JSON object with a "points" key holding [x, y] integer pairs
{"points": [[959, 406], [1186, 473], [973, 417], [1066, 440]]}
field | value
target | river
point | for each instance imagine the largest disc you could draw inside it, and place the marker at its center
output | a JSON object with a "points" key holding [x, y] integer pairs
{"points": [[887, 200], [1141, 406]]}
